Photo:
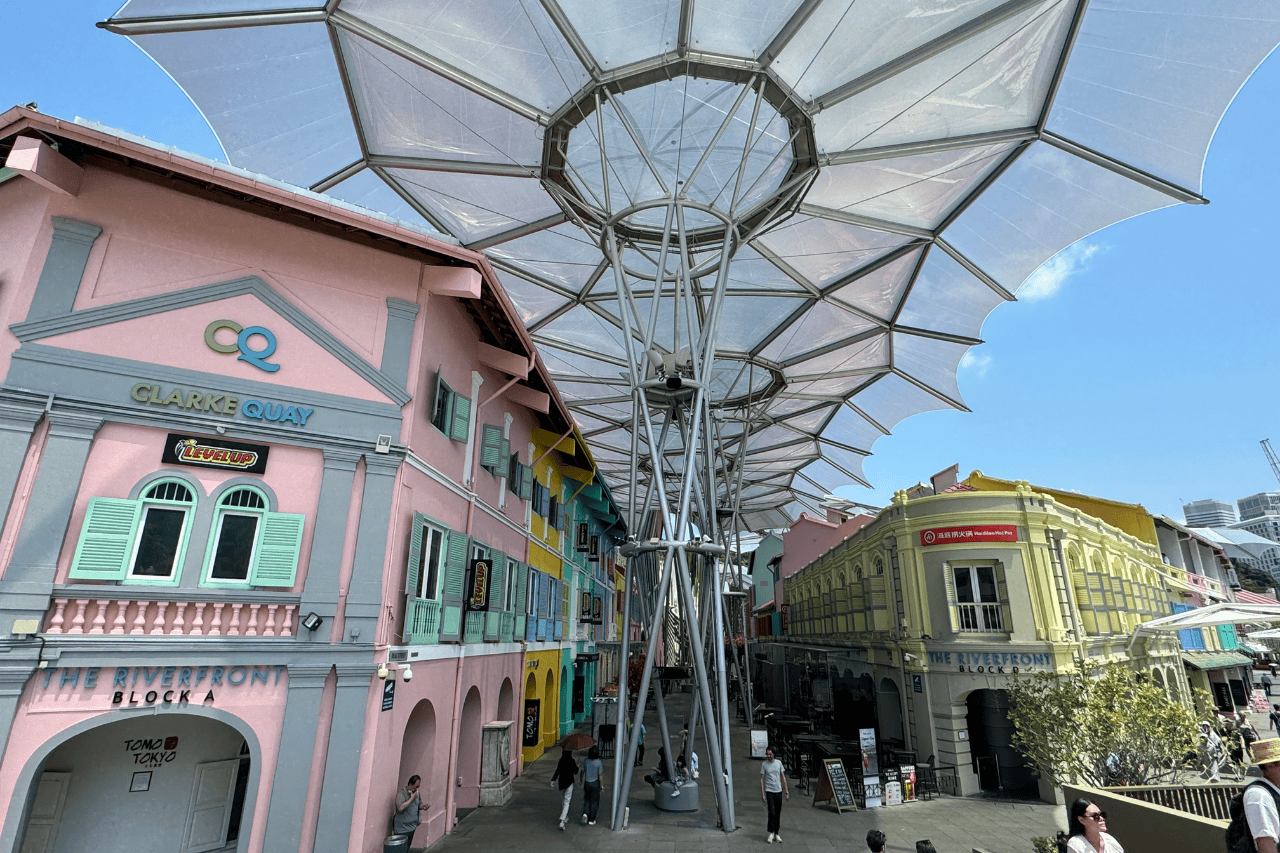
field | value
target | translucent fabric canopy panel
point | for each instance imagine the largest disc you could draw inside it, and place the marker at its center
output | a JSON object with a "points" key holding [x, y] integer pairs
{"points": [[885, 173]]}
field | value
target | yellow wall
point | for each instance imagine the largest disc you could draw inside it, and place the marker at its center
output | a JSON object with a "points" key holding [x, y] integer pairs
{"points": [[539, 664], [1131, 518]]}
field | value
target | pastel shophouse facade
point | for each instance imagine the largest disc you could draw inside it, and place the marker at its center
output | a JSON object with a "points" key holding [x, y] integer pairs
{"points": [[257, 447], [916, 623]]}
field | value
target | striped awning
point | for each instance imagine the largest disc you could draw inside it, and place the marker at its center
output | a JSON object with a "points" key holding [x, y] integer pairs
{"points": [[1215, 660]]}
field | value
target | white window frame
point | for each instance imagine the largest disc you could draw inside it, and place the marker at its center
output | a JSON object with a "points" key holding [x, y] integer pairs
{"points": [[220, 513], [149, 503], [425, 569]]}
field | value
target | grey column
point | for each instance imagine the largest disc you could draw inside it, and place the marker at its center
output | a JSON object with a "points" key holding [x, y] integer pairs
{"points": [[364, 590], [398, 340], [24, 590], [320, 589], [17, 422], [13, 680], [293, 761], [63, 268], [333, 828]]}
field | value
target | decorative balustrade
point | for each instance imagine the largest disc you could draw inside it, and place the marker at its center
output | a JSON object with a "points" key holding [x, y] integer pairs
{"points": [[507, 630], [116, 615], [473, 630], [422, 622], [980, 618]]}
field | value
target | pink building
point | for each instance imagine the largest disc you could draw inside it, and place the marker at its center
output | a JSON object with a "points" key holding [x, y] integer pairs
{"points": [[265, 534], [807, 540]]}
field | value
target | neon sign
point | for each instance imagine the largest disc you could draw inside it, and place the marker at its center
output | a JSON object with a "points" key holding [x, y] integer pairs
{"points": [[256, 357]]}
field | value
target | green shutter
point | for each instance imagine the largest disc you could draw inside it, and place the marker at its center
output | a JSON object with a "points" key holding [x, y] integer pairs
{"points": [[526, 482], [456, 567], [276, 561], [952, 611], [414, 570], [106, 539], [497, 580], [491, 454], [461, 417], [522, 573]]}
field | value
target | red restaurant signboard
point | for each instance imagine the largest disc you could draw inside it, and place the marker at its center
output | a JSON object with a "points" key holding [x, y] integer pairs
{"points": [[969, 533]]}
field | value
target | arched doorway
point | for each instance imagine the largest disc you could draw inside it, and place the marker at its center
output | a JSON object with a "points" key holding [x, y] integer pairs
{"points": [[505, 701], [550, 714], [190, 779], [889, 713], [565, 715], [418, 751], [998, 764], [469, 723]]}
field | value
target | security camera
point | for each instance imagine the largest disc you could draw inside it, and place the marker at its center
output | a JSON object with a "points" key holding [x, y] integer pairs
{"points": [[907, 656], [383, 672], [406, 673]]}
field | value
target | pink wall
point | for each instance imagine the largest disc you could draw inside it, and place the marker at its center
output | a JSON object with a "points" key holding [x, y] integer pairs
{"points": [[43, 712], [807, 540], [156, 241], [434, 682], [122, 454]]}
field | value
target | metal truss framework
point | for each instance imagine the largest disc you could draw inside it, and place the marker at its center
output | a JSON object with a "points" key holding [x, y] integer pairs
{"points": [[749, 238]]}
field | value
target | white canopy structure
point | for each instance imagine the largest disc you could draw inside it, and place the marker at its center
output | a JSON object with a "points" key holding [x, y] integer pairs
{"points": [[1225, 613], [748, 237]]}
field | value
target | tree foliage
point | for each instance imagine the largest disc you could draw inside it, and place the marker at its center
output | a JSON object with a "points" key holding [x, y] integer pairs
{"points": [[1099, 725], [1254, 580]]}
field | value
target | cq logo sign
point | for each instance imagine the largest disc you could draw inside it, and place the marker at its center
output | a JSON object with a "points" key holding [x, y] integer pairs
{"points": [[256, 357]]}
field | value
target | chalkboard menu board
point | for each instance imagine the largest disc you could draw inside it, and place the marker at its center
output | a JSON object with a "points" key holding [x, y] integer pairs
{"points": [[833, 787], [532, 707]]}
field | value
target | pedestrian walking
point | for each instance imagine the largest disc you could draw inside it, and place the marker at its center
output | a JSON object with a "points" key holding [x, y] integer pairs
{"points": [[1248, 733], [640, 747], [566, 769], [1212, 752], [1266, 683], [592, 774], [925, 846], [875, 840], [1088, 831], [773, 787], [1274, 718]]}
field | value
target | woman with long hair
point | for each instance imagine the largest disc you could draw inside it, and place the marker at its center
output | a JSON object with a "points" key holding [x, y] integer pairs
{"points": [[1088, 830]]}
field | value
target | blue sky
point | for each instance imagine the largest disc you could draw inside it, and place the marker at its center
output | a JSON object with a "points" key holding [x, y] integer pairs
{"points": [[1141, 366]]}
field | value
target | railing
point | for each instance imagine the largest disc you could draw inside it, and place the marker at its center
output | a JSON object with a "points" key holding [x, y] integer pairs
{"points": [[943, 779], [473, 630], [507, 627], [1210, 801], [143, 616], [492, 625], [422, 622], [981, 618]]}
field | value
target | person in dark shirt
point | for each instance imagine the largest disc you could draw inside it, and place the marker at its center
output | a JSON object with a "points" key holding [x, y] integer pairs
{"points": [[566, 769]]}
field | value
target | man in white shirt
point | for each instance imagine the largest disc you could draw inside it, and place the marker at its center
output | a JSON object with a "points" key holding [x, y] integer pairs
{"points": [[773, 784], [1259, 802]]}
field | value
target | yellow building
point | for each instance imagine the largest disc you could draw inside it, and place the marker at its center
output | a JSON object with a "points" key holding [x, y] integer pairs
{"points": [[914, 624]]}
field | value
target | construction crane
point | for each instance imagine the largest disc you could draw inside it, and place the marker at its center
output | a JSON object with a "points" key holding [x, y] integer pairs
{"points": [[1271, 457]]}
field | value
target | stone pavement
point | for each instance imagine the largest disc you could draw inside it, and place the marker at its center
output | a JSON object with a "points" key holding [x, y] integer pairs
{"points": [[528, 824]]}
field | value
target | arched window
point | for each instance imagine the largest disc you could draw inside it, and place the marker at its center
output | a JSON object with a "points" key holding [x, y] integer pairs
{"points": [[251, 546], [162, 532], [136, 541]]}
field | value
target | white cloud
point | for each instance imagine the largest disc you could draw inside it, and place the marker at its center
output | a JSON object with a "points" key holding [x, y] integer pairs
{"points": [[1053, 273], [977, 363]]}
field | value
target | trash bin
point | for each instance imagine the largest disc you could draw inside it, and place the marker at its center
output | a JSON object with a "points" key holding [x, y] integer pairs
{"points": [[396, 844]]}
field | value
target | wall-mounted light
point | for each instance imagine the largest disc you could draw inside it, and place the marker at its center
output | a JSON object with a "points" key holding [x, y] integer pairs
{"points": [[383, 672], [312, 621]]}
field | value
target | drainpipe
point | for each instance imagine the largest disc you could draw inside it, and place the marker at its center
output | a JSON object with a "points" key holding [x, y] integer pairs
{"points": [[451, 785]]}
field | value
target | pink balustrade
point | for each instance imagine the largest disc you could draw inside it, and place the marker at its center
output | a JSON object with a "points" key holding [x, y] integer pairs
{"points": [[118, 616]]}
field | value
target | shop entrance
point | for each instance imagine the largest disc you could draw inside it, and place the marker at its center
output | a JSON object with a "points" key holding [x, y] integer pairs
{"points": [[1000, 767], [152, 784]]}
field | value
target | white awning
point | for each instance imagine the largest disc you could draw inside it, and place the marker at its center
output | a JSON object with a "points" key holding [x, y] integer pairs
{"points": [[1227, 613]]}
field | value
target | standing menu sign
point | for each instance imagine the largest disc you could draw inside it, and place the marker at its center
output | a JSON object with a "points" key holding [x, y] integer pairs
{"points": [[908, 772], [892, 787], [833, 786], [870, 766], [530, 731]]}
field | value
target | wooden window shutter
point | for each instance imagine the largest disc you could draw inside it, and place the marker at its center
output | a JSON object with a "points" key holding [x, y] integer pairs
{"points": [[441, 410], [461, 417], [953, 612], [526, 482], [521, 582], [106, 539], [414, 569], [455, 579], [276, 560], [491, 452]]}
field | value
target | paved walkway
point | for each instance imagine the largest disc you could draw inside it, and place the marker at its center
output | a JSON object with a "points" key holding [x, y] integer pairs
{"points": [[528, 823]]}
